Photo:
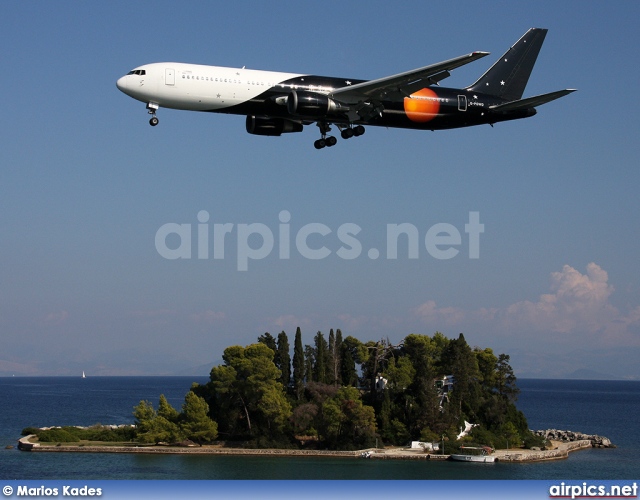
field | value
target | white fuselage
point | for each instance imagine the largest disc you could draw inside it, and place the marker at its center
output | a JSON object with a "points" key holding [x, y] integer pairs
{"points": [[198, 87]]}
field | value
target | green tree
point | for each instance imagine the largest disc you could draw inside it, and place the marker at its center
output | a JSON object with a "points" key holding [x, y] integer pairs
{"points": [[248, 376], [194, 420], [144, 415], [282, 359], [268, 340], [309, 357], [347, 423], [372, 365], [399, 373], [336, 361], [462, 363], [348, 372], [167, 411], [421, 401], [152, 427], [333, 360], [321, 359], [505, 378], [353, 351], [487, 366], [303, 418], [298, 364], [511, 434]]}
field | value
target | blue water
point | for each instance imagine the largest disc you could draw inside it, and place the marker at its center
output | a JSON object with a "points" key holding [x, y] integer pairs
{"points": [[596, 407]]}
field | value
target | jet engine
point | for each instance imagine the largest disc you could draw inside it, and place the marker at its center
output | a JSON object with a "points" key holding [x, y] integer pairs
{"points": [[304, 103], [261, 125]]}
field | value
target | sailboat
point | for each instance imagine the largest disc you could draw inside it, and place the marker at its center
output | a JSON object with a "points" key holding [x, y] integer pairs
{"points": [[83, 375]]}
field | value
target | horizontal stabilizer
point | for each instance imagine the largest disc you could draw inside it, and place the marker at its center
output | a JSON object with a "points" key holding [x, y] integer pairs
{"points": [[531, 102]]}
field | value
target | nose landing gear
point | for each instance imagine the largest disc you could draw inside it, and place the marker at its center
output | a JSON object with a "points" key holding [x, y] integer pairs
{"points": [[153, 107]]}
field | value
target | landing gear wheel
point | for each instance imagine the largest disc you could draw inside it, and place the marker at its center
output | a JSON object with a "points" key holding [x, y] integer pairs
{"points": [[152, 107], [325, 141], [358, 131], [347, 133]]}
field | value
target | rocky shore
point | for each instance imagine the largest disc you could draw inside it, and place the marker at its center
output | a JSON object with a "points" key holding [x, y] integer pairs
{"points": [[570, 436]]}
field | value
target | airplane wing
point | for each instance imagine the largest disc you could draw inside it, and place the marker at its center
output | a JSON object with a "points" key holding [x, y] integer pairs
{"points": [[403, 84]]}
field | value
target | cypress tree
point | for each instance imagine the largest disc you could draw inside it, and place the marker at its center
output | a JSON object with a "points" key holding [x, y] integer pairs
{"points": [[298, 364], [283, 359], [321, 365], [334, 358], [309, 356], [331, 375], [336, 361]]}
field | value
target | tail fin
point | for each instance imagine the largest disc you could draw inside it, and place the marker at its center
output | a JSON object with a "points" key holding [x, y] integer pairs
{"points": [[508, 77]]}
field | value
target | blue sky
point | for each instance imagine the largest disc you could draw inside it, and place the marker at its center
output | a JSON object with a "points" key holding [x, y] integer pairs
{"points": [[86, 183]]}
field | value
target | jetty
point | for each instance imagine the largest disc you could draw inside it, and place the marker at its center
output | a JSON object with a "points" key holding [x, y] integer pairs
{"points": [[561, 443]]}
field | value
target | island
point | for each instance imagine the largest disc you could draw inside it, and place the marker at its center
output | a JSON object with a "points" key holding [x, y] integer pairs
{"points": [[336, 397]]}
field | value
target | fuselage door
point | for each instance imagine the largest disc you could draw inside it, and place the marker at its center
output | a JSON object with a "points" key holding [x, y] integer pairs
{"points": [[462, 103], [169, 76]]}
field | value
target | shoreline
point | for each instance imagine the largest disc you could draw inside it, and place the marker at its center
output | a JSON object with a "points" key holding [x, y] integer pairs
{"points": [[560, 452]]}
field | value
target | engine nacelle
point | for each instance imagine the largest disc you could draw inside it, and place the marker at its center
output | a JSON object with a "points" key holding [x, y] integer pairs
{"points": [[303, 103], [260, 125]]}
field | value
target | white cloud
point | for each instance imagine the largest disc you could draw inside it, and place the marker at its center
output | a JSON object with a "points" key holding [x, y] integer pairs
{"points": [[208, 317], [431, 314], [289, 322], [152, 313], [56, 318], [577, 301], [353, 323]]}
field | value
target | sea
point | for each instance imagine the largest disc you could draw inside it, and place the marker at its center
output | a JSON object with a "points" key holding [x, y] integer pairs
{"points": [[607, 408]]}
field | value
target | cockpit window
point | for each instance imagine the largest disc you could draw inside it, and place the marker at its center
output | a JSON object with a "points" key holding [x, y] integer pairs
{"points": [[140, 72]]}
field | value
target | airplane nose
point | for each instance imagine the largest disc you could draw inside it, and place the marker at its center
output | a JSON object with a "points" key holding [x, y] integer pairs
{"points": [[122, 83]]}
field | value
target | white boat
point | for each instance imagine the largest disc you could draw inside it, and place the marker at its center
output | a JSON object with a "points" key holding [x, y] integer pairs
{"points": [[474, 454], [83, 375]]}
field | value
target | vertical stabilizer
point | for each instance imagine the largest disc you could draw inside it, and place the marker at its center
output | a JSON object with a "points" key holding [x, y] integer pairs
{"points": [[508, 77]]}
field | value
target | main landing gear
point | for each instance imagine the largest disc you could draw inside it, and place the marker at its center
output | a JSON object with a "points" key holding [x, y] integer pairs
{"points": [[153, 107], [324, 140], [350, 132], [328, 141]]}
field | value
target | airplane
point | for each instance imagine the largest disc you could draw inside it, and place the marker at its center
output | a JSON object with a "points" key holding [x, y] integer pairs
{"points": [[277, 103]]}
